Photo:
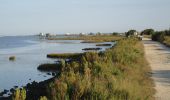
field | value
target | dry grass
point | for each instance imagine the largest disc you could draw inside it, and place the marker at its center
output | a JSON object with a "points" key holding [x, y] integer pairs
{"points": [[167, 41]]}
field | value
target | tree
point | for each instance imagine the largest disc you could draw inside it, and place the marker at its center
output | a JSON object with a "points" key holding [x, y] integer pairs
{"points": [[158, 36], [130, 33], [167, 32], [115, 33], [147, 32]]}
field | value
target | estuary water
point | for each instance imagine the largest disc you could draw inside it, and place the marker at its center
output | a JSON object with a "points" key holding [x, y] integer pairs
{"points": [[30, 52]]}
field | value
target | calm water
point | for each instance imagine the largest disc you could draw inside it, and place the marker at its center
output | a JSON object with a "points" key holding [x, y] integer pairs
{"points": [[30, 52]]}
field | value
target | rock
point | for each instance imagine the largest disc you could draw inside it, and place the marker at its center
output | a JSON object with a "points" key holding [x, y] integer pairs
{"points": [[48, 73], [53, 74], [15, 87], [12, 90]]}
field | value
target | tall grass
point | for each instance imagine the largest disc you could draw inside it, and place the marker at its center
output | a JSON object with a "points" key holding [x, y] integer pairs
{"points": [[121, 73], [167, 41]]}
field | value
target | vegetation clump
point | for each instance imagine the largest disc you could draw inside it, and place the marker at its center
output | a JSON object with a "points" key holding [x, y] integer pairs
{"points": [[12, 58], [103, 44], [147, 32], [86, 49], [49, 67], [65, 55], [158, 36], [89, 41]]}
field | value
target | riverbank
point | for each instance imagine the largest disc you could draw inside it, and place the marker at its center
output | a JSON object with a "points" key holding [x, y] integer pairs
{"points": [[120, 72]]}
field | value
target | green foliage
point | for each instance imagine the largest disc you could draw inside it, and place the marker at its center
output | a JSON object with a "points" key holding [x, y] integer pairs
{"points": [[19, 94], [115, 33], [158, 36], [147, 32], [130, 33], [167, 32]]}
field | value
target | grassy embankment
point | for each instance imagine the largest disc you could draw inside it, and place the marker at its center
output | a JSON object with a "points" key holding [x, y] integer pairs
{"points": [[120, 73]]}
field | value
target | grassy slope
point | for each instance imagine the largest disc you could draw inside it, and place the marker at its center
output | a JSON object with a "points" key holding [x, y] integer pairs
{"points": [[119, 73]]}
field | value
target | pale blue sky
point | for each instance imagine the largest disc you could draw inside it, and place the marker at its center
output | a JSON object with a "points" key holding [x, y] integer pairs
{"points": [[60, 16]]}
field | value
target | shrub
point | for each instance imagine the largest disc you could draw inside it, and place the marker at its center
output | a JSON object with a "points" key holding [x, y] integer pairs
{"points": [[147, 32], [19, 94], [130, 33], [158, 36], [50, 67], [12, 58]]}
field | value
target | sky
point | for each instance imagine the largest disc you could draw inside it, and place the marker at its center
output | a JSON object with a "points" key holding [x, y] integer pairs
{"points": [[23, 17]]}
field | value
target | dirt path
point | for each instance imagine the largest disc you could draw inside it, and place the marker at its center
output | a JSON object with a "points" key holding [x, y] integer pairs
{"points": [[158, 57]]}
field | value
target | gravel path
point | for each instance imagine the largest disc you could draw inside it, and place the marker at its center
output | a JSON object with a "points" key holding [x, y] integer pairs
{"points": [[158, 57]]}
